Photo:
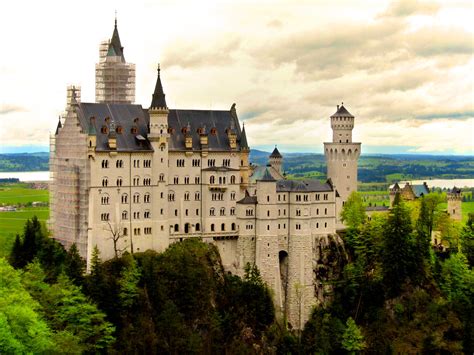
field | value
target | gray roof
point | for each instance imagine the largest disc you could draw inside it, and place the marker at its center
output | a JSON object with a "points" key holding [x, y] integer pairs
{"points": [[124, 116], [276, 153], [342, 112], [248, 200], [158, 98], [267, 176], [115, 47], [93, 117], [243, 140], [303, 186], [420, 190], [221, 121]]}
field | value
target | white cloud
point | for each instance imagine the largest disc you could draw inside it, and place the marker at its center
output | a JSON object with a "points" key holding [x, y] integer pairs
{"points": [[403, 68]]}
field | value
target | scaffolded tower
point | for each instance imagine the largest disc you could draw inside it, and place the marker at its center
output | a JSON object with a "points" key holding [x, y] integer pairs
{"points": [[114, 77]]}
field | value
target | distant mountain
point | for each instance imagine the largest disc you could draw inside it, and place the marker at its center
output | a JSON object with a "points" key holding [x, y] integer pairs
{"points": [[38, 161], [385, 168]]}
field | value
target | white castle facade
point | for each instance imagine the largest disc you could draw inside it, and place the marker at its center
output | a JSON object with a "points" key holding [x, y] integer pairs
{"points": [[128, 178]]}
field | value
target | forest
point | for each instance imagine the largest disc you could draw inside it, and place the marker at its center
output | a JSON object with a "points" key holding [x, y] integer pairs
{"points": [[397, 294]]}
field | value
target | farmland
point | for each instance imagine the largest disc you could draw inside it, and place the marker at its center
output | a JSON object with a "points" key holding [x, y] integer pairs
{"points": [[21, 197]]}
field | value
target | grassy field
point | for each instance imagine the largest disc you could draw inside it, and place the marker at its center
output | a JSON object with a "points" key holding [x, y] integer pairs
{"points": [[13, 194], [12, 223]]}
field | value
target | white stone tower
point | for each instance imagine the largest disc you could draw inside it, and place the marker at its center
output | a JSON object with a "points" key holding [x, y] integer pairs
{"points": [[159, 139], [454, 204], [341, 157], [114, 77]]}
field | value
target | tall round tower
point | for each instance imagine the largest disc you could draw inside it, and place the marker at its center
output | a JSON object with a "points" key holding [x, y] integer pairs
{"points": [[341, 156]]}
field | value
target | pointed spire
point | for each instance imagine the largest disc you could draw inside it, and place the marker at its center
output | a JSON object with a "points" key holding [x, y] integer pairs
{"points": [[59, 126], [267, 176], [276, 153], [243, 139], [115, 47], [158, 99]]}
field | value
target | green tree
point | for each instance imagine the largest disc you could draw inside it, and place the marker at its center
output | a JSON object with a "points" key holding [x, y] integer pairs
{"points": [[16, 258], [75, 265], [352, 339], [21, 328], [397, 256], [353, 212], [69, 313], [467, 240], [128, 282]]}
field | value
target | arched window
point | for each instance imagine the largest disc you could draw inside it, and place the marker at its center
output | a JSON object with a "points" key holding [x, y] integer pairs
{"points": [[223, 227], [212, 180], [147, 197], [124, 215], [232, 179], [162, 177], [212, 211], [198, 227], [124, 198], [136, 198], [222, 211], [212, 227], [119, 181], [176, 227], [105, 182], [233, 226]]}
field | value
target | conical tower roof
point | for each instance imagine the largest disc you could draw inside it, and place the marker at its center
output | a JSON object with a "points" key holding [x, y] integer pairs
{"points": [[267, 176], [158, 99], [276, 153], [243, 139], [115, 47], [342, 112]]}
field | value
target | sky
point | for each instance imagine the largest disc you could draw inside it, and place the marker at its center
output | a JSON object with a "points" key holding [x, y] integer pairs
{"points": [[403, 68]]}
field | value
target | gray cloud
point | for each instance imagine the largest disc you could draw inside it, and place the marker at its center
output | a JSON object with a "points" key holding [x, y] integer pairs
{"points": [[404, 8], [6, 109]]}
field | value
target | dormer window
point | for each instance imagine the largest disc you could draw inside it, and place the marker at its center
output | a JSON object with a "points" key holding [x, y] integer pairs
{"points": [[135, 120], [214, 131], [184, 130], [170, 130], [134, 130], [200, 130], [119, 129], [104, 130]]}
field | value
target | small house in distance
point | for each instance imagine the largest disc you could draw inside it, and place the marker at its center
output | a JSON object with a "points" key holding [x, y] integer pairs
{"points": [[409, 192]]}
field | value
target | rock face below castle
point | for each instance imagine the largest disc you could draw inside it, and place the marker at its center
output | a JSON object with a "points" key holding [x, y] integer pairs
{"points": [[128, 178]]}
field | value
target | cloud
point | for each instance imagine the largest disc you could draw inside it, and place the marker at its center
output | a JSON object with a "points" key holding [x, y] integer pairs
{"points": [[6, 109], [187, 54], [404, 8]]}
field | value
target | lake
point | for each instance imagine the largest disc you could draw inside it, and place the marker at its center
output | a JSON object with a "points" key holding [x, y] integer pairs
{"points": [[442, 183], [26, 176]]}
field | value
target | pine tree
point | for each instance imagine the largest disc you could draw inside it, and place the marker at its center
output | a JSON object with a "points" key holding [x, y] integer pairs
{"points": [[16, 258], [128, 283], [397, 255], [75, 266], [352, 339]]}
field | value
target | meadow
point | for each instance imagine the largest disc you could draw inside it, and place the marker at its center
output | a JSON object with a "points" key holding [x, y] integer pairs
{"points": [[12, 222]]}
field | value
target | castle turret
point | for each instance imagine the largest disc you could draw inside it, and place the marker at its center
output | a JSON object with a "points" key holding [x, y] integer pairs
{"points": [[114, 77], [342, 156], [276, 160], [454, 204], [159, 138]]}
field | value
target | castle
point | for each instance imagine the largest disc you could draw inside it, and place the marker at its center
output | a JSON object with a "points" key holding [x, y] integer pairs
{"points": [[128, 178]]}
